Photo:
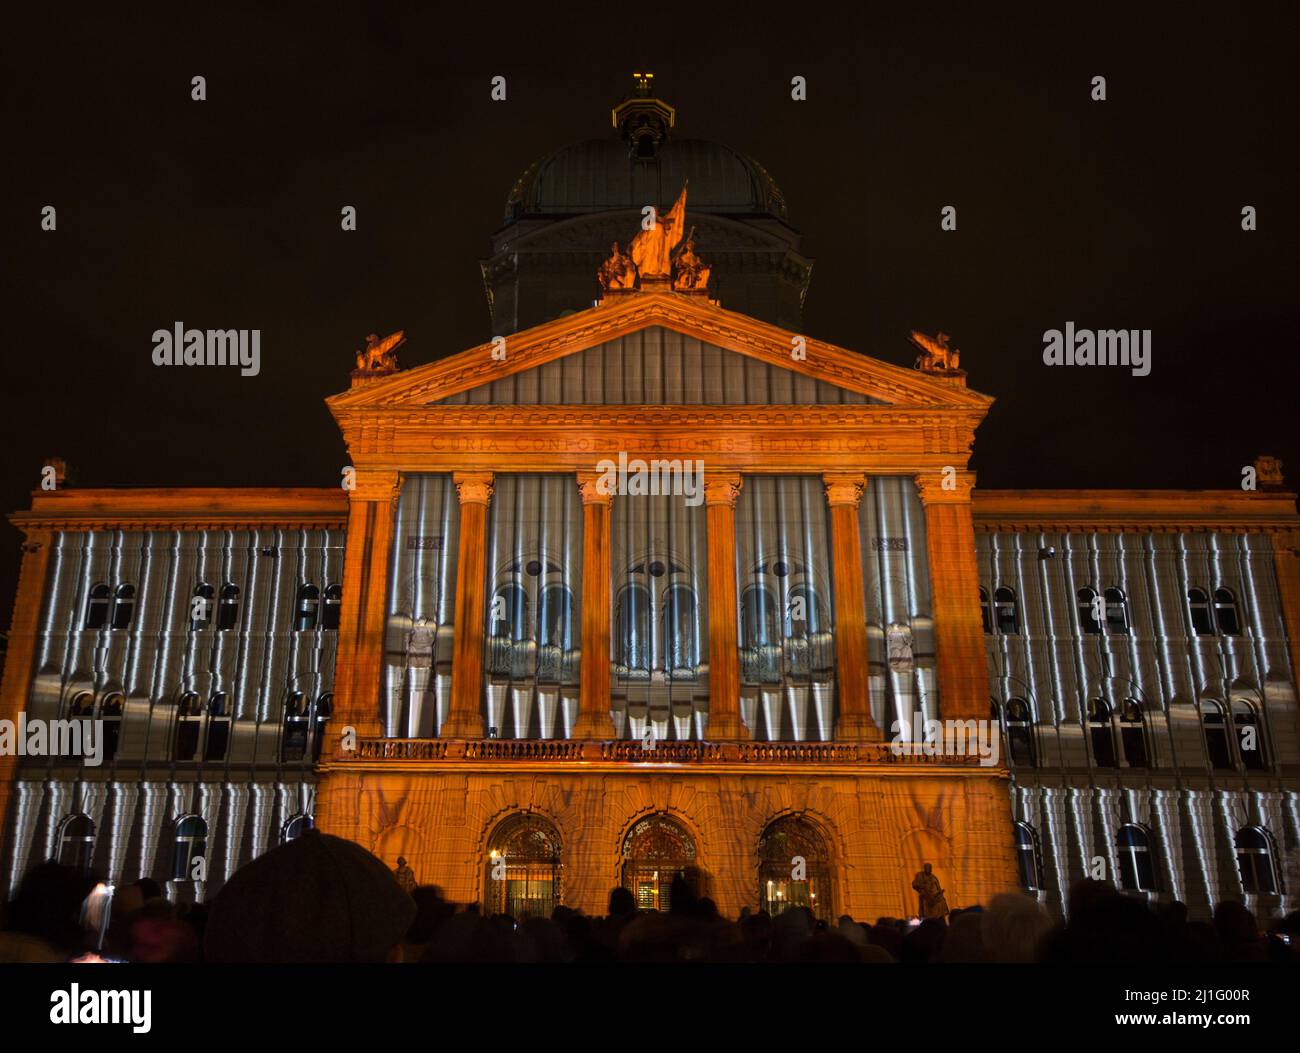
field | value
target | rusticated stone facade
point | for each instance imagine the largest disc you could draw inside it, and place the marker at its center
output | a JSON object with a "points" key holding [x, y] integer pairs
{"points": [[879, 819]]}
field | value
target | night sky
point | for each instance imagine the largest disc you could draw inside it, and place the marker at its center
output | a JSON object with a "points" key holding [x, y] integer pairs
{"points": [[225, 213]]}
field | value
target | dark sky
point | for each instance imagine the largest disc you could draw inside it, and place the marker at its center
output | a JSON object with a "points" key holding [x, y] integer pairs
{"points": [[225, 214]]}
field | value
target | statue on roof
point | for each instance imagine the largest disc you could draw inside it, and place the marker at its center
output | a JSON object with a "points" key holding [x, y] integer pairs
{"points": [[936, 356], [691, 273], [652, 248], [617, 272], [1268, 472], [380, 356]]}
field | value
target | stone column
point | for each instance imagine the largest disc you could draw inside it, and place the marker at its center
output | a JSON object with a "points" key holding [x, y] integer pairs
{"points": [[594, 720], [720, 492], [962, 665], [854, 723], [23, 630], [371, 507], [465, 719]]}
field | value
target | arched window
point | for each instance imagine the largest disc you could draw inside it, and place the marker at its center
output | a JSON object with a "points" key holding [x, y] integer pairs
{"points": [[1198, 606], [123, 606], [189, 721], [1027, 858], [1225, 612], [794, 868], [1020, 733], [510, 613], [1132, 733], [82, 705], [76, 841], [1088, 612], [656, 849], [758, 617], [634, 627], [1255, 861], [1101, 733], [760, 641], [803, 617], [556, 618], [308, 608], [295, 827], [191, 846], [218, 741], [1215, 726], [1250, 738], [228, 609], [293, 743], [523, 868], [1135, 868], [201, 606], [1116, 612], [324, 710], [110, 712], [1004, 600], [679, 630], [986, 614], [329, 619], [97, 606]]}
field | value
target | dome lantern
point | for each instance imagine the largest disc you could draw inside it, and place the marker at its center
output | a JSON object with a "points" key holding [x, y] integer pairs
{"points": [[642, 120]]}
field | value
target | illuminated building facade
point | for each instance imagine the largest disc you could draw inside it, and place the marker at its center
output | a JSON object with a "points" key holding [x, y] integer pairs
{"points": [[535, 685]]}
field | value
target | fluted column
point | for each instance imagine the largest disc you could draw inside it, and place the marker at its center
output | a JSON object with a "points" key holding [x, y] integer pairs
{"points": [[962, 665], [465, 719], [371, 507], [594, 720], [854, 723], [720, 492], [23, 629]]}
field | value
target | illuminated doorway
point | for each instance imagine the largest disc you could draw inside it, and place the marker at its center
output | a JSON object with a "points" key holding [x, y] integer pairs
{"points": [[794, 868], [656, 850], [523, 868]]}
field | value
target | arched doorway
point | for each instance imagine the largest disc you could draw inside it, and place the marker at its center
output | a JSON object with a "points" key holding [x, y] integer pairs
{"points": [[794, 868], [655, 851], [523, 868]]}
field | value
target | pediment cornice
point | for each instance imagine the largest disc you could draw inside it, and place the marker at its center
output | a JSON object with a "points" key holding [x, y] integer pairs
{"points": [[416, 389]]}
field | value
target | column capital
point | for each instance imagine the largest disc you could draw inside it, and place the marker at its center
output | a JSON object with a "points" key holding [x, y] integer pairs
{"points": [[375, 484], [945, 486], [844, 488], [473, 488], [722, 488], [589, 484]]}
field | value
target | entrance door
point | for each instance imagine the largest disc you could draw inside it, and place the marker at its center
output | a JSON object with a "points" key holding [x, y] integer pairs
{"points": [[657, 849]]}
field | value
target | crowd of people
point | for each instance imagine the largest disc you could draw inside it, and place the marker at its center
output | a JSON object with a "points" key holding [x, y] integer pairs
{"points": [[323, 899]]}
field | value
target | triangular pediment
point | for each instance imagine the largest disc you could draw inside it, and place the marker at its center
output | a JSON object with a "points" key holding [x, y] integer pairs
{"points": [[660, 348]]}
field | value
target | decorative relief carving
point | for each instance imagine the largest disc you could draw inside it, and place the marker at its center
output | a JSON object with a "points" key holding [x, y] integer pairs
{"points": [[844, 489], [945, 487], [722, 489], [588, 486], [473, 488]]}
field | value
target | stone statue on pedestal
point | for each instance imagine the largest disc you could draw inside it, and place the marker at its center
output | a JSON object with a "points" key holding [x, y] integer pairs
{"points": [[930, 893]]}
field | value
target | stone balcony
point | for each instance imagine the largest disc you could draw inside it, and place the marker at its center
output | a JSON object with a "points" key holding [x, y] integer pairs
{"points": [[624, 753]]}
